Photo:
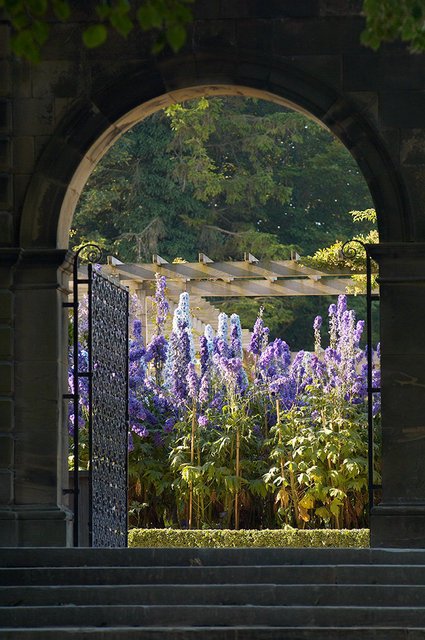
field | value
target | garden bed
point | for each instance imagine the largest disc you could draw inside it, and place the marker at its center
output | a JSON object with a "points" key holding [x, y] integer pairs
{"points": [[287, 537]]}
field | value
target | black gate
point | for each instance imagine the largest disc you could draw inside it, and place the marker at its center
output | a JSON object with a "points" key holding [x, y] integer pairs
{"points": [[106, 371], [348, 251]]}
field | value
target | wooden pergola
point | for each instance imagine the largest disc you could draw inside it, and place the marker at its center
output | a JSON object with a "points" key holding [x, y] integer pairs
{"points": [[208, 279]]}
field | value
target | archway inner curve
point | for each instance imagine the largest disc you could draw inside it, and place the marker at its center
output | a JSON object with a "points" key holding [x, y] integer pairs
{"points": [[342, 120]]}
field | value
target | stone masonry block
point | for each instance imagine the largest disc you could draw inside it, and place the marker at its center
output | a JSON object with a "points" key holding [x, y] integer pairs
{"points": [[369, 72], [5, 79], [6, 190], [4, 40], [6, 300], [341, 7], [6, 342], [33, 116], [214, 34], [6, 414], [404, 109], [316, 36], [22, 73], [23, 154], [5, 154], [412, 147], [257, 9], [60, 78], [20, 186], [6, 486], [6, 451], [6, 380], [5, 117], [6, 228], [255, 34]]}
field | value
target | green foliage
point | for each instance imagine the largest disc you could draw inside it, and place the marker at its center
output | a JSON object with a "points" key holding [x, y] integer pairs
{"points": [[354, 257], [30, 20], [388, 20], [259, 169], [320, 455], [132, 203], [286, 537]]}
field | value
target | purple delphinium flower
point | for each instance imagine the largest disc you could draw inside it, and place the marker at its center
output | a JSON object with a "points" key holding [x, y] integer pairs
{"points": [[184, 316], [358, 332], [259, 335], [203, 421], [204, 389], [230, 370], [158, 439], [161, 302], [205, 354], [317, 337], [192, 381], [317, 322], [333, 326], [341, 306], [235, 336], [217, 401], [179, 350], [221, 348], [275, 359], [137, 328], [157, 352], [135, 407], [223, 327], [140, 430], [169, 424], [137, 365]]}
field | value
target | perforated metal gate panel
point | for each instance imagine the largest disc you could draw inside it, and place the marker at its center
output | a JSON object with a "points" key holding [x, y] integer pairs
{"points": [[108, 349]]}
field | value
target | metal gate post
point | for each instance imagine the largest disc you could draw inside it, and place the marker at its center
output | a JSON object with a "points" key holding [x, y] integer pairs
{"points": [[349, 252]]}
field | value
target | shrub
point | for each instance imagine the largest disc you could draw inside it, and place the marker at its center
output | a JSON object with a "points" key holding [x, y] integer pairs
{"points": [[218, 538]]}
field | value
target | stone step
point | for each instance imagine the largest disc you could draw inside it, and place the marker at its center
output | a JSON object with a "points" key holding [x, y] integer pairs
{"points": [[215, 633], [287, 574], [33, 557], [211, 615], [219, 594]]}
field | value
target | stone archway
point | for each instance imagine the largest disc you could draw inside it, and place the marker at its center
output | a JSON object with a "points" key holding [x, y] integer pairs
{"points": [[71, 108], [56, 187]]}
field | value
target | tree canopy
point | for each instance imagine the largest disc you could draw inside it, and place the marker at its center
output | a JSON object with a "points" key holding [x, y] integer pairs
{"points": [[386, 20], [30, 20]]}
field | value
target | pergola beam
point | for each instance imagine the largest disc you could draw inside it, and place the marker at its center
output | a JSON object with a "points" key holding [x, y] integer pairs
{"points": [[254, 288], [219, 270]]}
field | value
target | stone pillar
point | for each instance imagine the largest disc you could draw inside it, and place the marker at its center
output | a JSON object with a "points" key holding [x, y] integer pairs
{"points": [[399, 520], [32, 512]]}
